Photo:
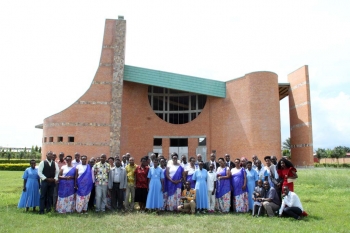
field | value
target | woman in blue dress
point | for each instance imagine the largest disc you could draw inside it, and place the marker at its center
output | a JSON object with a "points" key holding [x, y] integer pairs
{"points": [[31, 183], [200, 176], [155, 187], [252, 179], [165, 191]]}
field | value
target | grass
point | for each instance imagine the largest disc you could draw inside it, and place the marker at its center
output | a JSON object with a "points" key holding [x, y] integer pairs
{"points": [[324, 193]]}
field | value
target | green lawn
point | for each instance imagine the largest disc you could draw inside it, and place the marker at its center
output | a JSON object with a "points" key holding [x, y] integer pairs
{"points": [[324, 192]]}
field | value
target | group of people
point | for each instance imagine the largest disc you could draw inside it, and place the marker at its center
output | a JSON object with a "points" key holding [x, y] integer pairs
{"points": [[157, 184]]}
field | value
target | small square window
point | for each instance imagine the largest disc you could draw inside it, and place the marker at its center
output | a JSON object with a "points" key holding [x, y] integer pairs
{"points": [[50, 139], [70, 139], [59, 139]]}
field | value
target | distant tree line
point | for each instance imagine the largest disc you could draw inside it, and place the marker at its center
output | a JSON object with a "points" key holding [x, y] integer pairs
{"points": [[33, 153], [336, 153]]}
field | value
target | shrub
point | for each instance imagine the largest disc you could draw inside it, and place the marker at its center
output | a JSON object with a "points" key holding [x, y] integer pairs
{"points": [[14, 167], [16, 161], [334, 165]]}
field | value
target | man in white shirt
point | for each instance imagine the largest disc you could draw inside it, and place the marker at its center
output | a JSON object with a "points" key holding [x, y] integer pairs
{"points": [[291, 205], [77, 160], [124, 163], [48, 172], [117, 181]]}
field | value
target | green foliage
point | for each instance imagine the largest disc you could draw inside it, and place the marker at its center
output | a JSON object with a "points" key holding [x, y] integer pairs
{"points": [[36, 149], [286, 153], [337, 152], [17, 161], [286, 144], [321, 153], [13, 166], [345, 148], [334, 165], [9, 154]]}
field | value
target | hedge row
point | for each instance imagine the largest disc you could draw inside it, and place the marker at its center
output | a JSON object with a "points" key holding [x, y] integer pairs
{"points": [[16, 161], [14, 167], [335, 165]]}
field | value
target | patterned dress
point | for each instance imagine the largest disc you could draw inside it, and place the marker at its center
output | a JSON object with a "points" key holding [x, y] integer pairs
{"points": [[240, 196], [85, 185], [66, 192], [174, 190], [223, 192]]}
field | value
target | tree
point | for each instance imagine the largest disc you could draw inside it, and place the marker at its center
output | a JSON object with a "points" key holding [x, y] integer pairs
{"points": [[39, 150], [321, 153], [286, 144], [21, 154], [36, 148], [329, 153], [9, 154], [342, 148], [338, 152], [286, 153]]}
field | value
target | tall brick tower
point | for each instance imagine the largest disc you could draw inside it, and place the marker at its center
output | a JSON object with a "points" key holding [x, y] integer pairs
{"points": [[300, 117], [92, 124]]}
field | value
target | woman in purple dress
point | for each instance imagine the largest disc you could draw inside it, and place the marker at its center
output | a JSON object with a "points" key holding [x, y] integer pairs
{"points": [[223, 190], [83, 185], [239, 184], [174, 175], [189, 171], [66, 191]]}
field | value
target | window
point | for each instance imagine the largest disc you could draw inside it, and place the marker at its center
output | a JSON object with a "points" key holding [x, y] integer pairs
{"points": [[59, 139], [50, 139], [45, 139], [202, 141], [178, 142], [70, 139], [157, 142], [173, 106]]}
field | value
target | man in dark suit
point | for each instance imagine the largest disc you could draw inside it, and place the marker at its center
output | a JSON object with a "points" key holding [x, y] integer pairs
{"points": [[228, 161], [212, 161]]}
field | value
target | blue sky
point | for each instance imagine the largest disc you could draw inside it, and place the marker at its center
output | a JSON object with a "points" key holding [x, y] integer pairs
{"points": [[50, 52]]}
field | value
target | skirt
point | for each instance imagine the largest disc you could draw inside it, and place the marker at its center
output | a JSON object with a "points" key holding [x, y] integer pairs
{"points": [[141, 195]]}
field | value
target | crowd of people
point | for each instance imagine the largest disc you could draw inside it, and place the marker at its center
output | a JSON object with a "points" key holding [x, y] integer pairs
{"points": [[176, 185]]}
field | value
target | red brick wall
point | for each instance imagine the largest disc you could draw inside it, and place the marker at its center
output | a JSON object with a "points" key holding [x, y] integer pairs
{"points": [[92, 110], [300, 117]]}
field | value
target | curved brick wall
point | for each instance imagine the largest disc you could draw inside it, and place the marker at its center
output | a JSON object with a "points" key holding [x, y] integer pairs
{"points": [[90, 119]]}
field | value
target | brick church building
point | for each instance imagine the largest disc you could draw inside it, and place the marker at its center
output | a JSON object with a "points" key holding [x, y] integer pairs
{"points": [[140, 111]]}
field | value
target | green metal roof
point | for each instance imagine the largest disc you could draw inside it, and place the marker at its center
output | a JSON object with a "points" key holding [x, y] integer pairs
{"points": [[175, 81]]}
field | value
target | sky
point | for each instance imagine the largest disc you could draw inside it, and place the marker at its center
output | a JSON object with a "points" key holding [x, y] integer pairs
{"points": [[50, 51]]}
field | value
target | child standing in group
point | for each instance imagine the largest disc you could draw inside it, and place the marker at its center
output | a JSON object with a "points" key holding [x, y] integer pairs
{"points": [[211, 184]]}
